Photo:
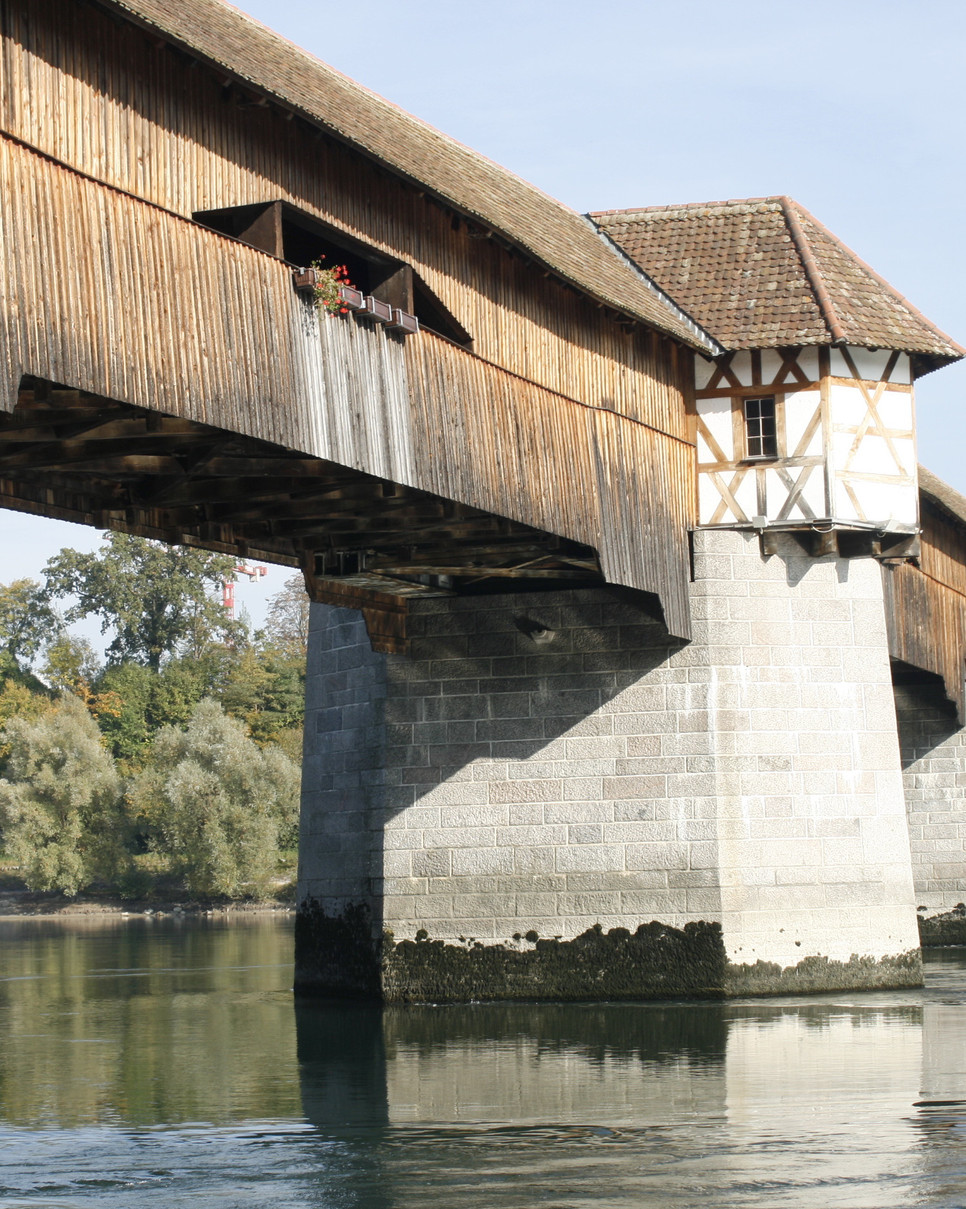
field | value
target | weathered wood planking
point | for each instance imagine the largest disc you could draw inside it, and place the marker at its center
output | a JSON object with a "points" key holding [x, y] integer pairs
{"points": [[108, 294], [102, 96], [926, 605]]}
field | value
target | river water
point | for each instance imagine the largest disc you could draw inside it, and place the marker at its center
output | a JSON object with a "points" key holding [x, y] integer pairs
{"points": [[152, 1062]]}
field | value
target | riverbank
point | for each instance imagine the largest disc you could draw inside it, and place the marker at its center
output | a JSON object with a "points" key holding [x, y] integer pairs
{"points": [[162, 895], [19, 905], [17, 901]]}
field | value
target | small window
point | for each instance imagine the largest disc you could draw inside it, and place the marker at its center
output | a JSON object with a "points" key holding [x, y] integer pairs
{"points": [[761, 433]]}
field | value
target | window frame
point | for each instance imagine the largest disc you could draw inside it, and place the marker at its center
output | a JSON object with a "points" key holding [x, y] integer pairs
{"points": [[770, 448]]}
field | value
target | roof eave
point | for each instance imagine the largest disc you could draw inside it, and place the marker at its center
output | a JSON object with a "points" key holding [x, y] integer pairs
{"points": [[940, 493]]}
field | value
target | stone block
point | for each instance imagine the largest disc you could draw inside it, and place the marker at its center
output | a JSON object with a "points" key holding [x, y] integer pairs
{"points": [[589, 857], [534, 860], [433, 862], [542, 836], [483, 860], [638, 788], [527, 791], [665, 854]]}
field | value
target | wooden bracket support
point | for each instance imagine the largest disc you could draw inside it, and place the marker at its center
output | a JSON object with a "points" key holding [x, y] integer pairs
{"points": [[385, 615]]}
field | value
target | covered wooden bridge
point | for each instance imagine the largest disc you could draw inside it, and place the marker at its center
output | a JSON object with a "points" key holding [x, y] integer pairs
{"points": [[164, 167], [635, 497]]}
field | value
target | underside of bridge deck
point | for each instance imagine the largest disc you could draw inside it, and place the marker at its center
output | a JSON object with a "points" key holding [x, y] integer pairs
{"points": [[359, 540]]}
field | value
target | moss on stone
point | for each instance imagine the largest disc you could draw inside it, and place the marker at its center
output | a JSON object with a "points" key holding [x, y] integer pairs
{"points": [[820, 974], [341, 957], [655, 962], [949, 928]]}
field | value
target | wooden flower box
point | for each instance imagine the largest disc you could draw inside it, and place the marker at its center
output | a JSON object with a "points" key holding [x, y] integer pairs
{"points": [[305, 280], [404, 322], [375, 309], [354, 299]]}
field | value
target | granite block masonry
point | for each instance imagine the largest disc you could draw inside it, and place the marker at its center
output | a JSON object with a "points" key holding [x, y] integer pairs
{"points": [[933, 752], [551, 799]]}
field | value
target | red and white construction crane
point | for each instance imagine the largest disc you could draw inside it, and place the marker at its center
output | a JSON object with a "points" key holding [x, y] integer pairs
{"points": [[228, 587]]}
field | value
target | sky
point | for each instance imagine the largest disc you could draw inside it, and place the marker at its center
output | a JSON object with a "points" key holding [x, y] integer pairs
{"points": [[856, 109]]}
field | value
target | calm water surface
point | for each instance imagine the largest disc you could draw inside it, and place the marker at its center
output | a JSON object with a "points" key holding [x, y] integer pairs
{"points": [[151, 1062]]}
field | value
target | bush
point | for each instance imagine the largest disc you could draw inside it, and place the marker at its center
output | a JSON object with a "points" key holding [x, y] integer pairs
{"points": [[218, 805], [60, 801]]}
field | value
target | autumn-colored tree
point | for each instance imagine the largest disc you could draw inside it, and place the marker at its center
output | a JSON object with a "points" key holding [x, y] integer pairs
{"points": [[287, 619]]}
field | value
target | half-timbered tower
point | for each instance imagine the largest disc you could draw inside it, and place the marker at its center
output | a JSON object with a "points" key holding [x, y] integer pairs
{"points": [[806, 423], [599, 689]]}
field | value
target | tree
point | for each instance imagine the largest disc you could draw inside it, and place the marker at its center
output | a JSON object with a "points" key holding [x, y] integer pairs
{"points": [[148, 700], [60, 801], [219, 805], [287, 619], [266, 691], [70, 664], [19, 699], [160, 600], [27, 620]]}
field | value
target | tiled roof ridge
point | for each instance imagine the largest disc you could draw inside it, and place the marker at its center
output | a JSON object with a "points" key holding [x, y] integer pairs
{"points": [[813, 274], [876, 277], [520, 213], [672, 207]]}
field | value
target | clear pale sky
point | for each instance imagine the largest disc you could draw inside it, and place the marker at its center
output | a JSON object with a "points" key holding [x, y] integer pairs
{"points": [[854, 108]]}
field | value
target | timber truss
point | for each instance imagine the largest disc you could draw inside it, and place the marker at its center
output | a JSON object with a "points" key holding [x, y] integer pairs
{"points": [[360, 541]]}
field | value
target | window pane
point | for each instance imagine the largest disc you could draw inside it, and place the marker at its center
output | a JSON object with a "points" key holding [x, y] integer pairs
{"points": [[761, 434]]}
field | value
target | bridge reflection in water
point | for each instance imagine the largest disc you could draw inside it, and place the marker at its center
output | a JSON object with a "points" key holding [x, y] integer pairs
{"points": [[163, 1060]]}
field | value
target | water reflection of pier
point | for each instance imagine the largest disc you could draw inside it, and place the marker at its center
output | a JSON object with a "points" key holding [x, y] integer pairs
{"points": [[712, 1096], [165, 1039]]}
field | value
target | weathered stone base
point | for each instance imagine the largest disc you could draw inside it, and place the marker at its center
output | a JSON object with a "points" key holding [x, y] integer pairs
{"points": [[814, 974], [337, 955], [340, 958], [653, 962]]}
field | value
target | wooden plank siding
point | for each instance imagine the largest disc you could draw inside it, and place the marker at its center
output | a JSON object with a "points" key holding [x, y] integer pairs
{"points": [[102, 96], [105, 293], [926, 605]]}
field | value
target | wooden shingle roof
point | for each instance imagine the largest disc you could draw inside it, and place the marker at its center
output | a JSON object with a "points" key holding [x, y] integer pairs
{"points": [[765, 273], [551, 233]]}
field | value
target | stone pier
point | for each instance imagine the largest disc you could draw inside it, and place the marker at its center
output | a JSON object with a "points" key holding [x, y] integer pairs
{"points": [[551, 799], [933, 749]]}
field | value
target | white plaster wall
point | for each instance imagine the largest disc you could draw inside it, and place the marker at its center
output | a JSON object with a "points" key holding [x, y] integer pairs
{"points": [[800, 407], [716, 415], [880, 470], [870, 476]]}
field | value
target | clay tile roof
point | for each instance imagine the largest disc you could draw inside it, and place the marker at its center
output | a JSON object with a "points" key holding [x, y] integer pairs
{"points": [[559, 238], [764, 272]]}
